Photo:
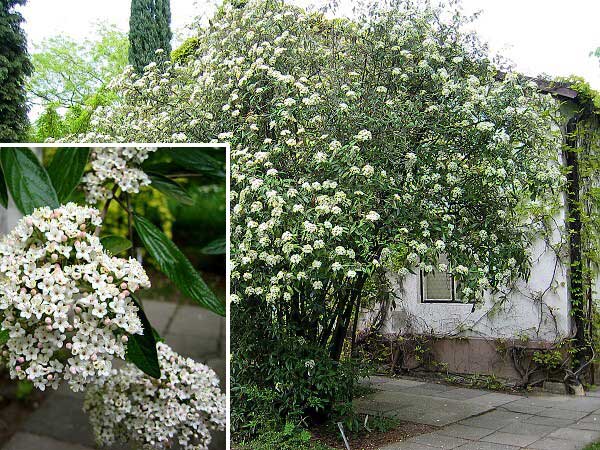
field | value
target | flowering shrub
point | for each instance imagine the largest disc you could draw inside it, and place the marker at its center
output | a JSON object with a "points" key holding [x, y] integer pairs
{"points": [[118, 166], [65, 302], [355, 143], [183, 406]]}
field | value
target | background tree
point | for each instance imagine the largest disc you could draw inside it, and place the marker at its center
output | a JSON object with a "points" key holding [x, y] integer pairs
{"points": [[70, 80], [149, 30], [14, 68]]}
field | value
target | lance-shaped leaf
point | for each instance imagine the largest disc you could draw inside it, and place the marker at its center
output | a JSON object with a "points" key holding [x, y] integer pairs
{"points": [[66, 170], [216, 247], [141, 348], [170, 188], [176, 266], [198, 160], [27, 181], [3, 191], [115, 244]]}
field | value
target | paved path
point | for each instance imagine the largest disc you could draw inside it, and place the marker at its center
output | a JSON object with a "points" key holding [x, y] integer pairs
{"points": [[60, 424], [471, 419]]}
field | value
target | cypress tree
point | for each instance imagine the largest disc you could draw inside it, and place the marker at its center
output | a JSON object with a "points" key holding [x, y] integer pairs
{"points": [[149, 30], [15, 67]]}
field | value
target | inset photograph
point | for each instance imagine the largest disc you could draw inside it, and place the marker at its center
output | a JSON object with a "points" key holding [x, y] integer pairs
{"points": [[112, 296]]}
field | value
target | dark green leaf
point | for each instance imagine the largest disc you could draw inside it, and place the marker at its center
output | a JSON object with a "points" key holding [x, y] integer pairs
{"points": [[3, 336], [176, 266], [199, 161], [170, 188], [24, 389], [27, 181], [115, 244], [66, 170], [216, 247], [141, 348], [3, 191]]}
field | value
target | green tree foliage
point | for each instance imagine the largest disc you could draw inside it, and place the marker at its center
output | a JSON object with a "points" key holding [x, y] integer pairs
{"points": [[14, 68], [70, 80], [149, 31], [68, 72]]}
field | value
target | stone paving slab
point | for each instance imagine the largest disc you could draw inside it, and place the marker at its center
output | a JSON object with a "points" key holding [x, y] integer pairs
{"points": [[471, 419], [159, 314], [31, 441], [572, 434], [518, 440], [487, 446], [423, 409], [194, 321], [554, 444], [438, 440], [465, 432]]}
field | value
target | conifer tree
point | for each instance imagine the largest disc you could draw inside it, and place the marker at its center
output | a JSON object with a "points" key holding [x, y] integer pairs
{"points": [[15, 67], [149, 30]]}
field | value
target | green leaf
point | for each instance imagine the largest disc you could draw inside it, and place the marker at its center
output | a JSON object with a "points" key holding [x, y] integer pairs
{"points": [[198, 160], [216, 247], [4, 334], [24, 389], [141, 348], [170, 188], [115, 244], [27, 181], [176, 266], [66, 170], [3, 191]]}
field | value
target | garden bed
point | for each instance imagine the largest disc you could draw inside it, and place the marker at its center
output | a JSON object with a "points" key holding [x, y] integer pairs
{"points": [[399, 432]]}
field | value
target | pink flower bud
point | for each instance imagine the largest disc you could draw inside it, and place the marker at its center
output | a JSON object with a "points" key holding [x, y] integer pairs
{"points": [[73, 370], [94, 357], [40, 345], [82, 227], [69, 327], [20, 360], [107, 321], [69, 346], [109, 279], [50, 377], [64, 238], [49, 327], [125, 293], [29, 221], [123, 285], [54, 257], [124, 338], [48, 320], [78, 310], [18, 368]]}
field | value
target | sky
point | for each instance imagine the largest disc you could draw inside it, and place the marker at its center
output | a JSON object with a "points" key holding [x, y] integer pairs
{"points": [[553, 37]]}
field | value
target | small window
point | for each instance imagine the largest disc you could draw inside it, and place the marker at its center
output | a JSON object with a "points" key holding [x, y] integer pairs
{"points": [[439, 287]]}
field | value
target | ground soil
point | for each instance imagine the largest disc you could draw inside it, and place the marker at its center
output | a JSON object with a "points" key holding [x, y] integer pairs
{"points": [[373, 440]]}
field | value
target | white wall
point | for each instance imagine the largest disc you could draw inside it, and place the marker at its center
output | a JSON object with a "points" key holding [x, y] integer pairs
{"points": [[518, 315]]}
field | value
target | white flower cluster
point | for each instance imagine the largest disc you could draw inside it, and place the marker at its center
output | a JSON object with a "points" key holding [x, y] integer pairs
{"points": [[321, 186], [115, 166], [183, 406], [64, 302]]}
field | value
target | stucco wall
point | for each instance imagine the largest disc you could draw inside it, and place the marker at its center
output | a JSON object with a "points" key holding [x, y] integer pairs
{"points": [[518, 315]]}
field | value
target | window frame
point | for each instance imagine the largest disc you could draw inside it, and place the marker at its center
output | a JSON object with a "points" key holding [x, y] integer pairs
{"points": [[452, 301]]}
